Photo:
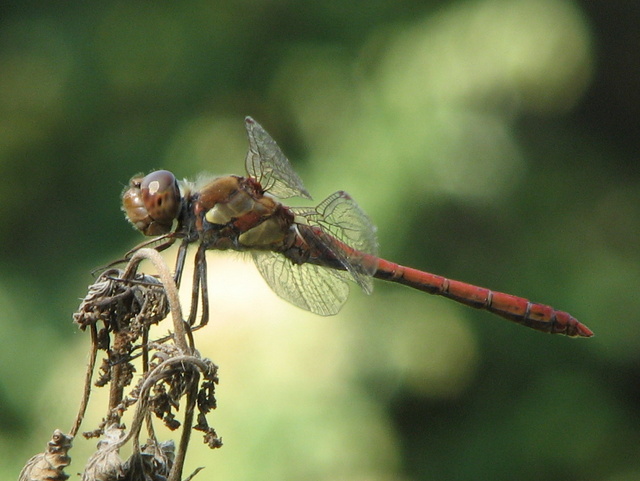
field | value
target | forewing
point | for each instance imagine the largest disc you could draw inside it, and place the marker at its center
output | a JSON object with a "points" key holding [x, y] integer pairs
{"points": [[313, 288], [340, 218], [266, 163]]}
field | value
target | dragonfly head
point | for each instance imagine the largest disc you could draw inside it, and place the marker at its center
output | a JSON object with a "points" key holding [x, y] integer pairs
{"points": [[151, 203]]}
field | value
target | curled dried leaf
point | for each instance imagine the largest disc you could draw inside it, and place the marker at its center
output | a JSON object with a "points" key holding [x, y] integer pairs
{"points": [[210, 438]]}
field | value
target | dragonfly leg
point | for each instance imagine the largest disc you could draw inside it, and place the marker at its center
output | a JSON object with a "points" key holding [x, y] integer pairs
{"points": [[199, 286], [180, 259], [201, 260], [195, 291]]}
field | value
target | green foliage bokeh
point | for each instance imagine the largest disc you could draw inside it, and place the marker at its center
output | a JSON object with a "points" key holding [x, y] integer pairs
{"points": [[491, 141]]}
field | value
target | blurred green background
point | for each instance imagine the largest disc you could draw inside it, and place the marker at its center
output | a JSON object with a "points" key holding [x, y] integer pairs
{"points": [[491, 141]]}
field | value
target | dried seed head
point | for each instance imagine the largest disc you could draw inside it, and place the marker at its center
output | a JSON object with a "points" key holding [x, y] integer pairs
{"points": [[105, 464], [49, 466], [118, 302]]}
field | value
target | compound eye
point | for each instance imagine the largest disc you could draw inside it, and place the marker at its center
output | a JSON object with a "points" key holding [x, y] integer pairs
{"points": [[161, 197], [153, 202]]}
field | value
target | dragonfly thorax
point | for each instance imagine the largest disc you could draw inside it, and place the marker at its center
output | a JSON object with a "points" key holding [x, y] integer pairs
{"points": [[232, 212]]}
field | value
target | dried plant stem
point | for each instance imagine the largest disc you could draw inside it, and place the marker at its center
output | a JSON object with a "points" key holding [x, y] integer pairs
{"points": [[180, 333], [87, 383], [192, 393]]}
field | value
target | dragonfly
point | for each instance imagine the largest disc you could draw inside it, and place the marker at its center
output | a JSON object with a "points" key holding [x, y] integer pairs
{"points": [[307, 255]]}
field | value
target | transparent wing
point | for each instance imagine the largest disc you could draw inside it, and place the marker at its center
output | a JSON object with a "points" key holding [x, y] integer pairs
{"points": [[266, 163], [341, 221], [311, 287]]}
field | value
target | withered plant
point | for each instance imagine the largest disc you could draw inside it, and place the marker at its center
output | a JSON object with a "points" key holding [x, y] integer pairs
{"points": [[118, 311]]}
